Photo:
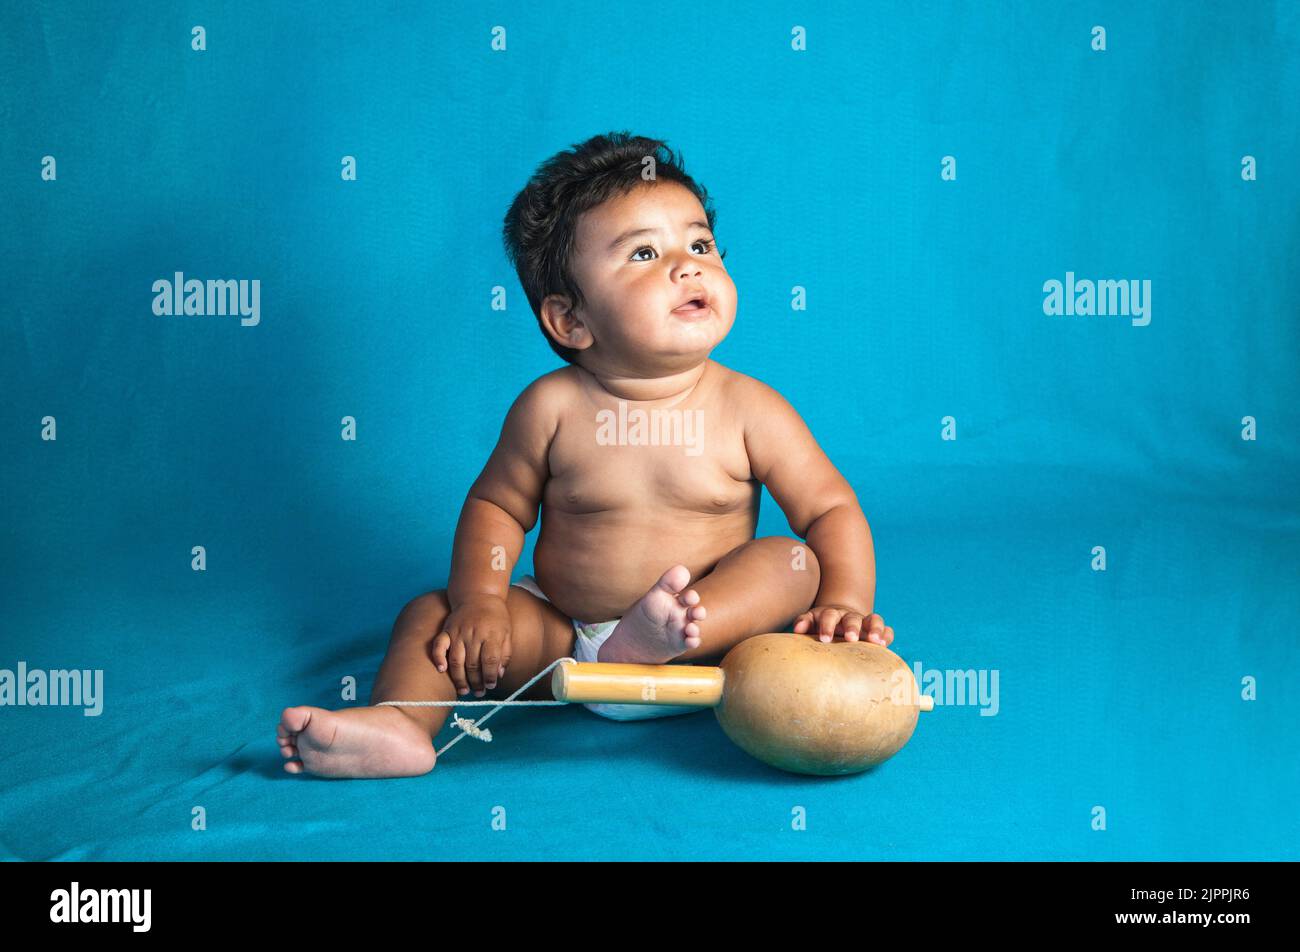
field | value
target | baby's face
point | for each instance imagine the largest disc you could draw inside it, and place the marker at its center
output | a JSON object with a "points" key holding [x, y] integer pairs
{"points": [[633, 284]]}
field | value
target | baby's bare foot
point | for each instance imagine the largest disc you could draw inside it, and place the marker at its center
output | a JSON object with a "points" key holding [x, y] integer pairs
{"points": [[660, 626], [353, 742]]}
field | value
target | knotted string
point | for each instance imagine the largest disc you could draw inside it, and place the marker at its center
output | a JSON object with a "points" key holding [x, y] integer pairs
{"points": [[475, 728]]}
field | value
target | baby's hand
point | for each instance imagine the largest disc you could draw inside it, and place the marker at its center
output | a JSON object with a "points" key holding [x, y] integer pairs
{"points": [[831, 620], [475, 644]]}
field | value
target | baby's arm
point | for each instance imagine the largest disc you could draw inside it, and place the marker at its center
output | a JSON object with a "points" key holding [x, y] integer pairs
{"points": [[502, 505], [821, 508], [500, 509]]}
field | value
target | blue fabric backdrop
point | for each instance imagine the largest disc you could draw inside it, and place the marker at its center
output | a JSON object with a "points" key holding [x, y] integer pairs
{"points": [[1128, 689]]}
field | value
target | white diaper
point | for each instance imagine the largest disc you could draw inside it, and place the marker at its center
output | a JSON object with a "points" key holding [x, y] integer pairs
{"points": [[588, 637]]}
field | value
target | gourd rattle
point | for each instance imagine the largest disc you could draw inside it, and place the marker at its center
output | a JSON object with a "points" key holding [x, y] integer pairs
{"points": [[789, 700]]}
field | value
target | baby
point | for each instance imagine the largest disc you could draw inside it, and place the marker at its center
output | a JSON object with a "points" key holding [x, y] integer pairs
{"points": [[645, 458]]}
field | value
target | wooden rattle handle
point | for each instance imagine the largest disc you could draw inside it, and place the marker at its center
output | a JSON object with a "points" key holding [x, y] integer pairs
{"points": [[692, 686], [592, 682]]}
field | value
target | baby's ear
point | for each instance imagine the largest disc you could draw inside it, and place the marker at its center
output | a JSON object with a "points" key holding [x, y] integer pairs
{"points": [[564, 326]]}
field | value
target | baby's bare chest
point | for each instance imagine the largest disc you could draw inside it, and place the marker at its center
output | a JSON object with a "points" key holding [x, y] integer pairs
{"points": [[645, 460]]}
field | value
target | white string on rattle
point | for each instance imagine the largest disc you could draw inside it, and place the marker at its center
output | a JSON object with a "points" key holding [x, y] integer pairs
{"points": [[474, 728]]}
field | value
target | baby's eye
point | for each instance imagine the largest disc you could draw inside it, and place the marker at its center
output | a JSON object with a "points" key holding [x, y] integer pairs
{"points": [[706, 242]]}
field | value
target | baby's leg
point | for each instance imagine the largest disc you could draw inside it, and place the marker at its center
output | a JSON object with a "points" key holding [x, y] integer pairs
{"points": [[761, 586], [758, 587], [539, 633], [388, 741]]}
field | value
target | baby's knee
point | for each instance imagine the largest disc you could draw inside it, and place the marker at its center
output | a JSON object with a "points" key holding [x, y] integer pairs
{"points": [[422, 615], [797, 556]]}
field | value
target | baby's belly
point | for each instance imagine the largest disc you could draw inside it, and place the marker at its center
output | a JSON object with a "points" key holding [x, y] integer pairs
{"points": [[594, 566]]}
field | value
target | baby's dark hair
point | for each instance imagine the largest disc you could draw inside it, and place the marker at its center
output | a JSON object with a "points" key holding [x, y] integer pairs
{"points": [[541, 226]]}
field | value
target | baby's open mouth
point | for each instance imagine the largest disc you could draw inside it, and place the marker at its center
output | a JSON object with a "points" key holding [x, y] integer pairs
{"points": [[697, 306]]}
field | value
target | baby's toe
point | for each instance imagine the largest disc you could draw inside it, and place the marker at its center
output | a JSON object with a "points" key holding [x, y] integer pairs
{"points": [[690, 597], [676, 578], [697, 613], [292, 721]]}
